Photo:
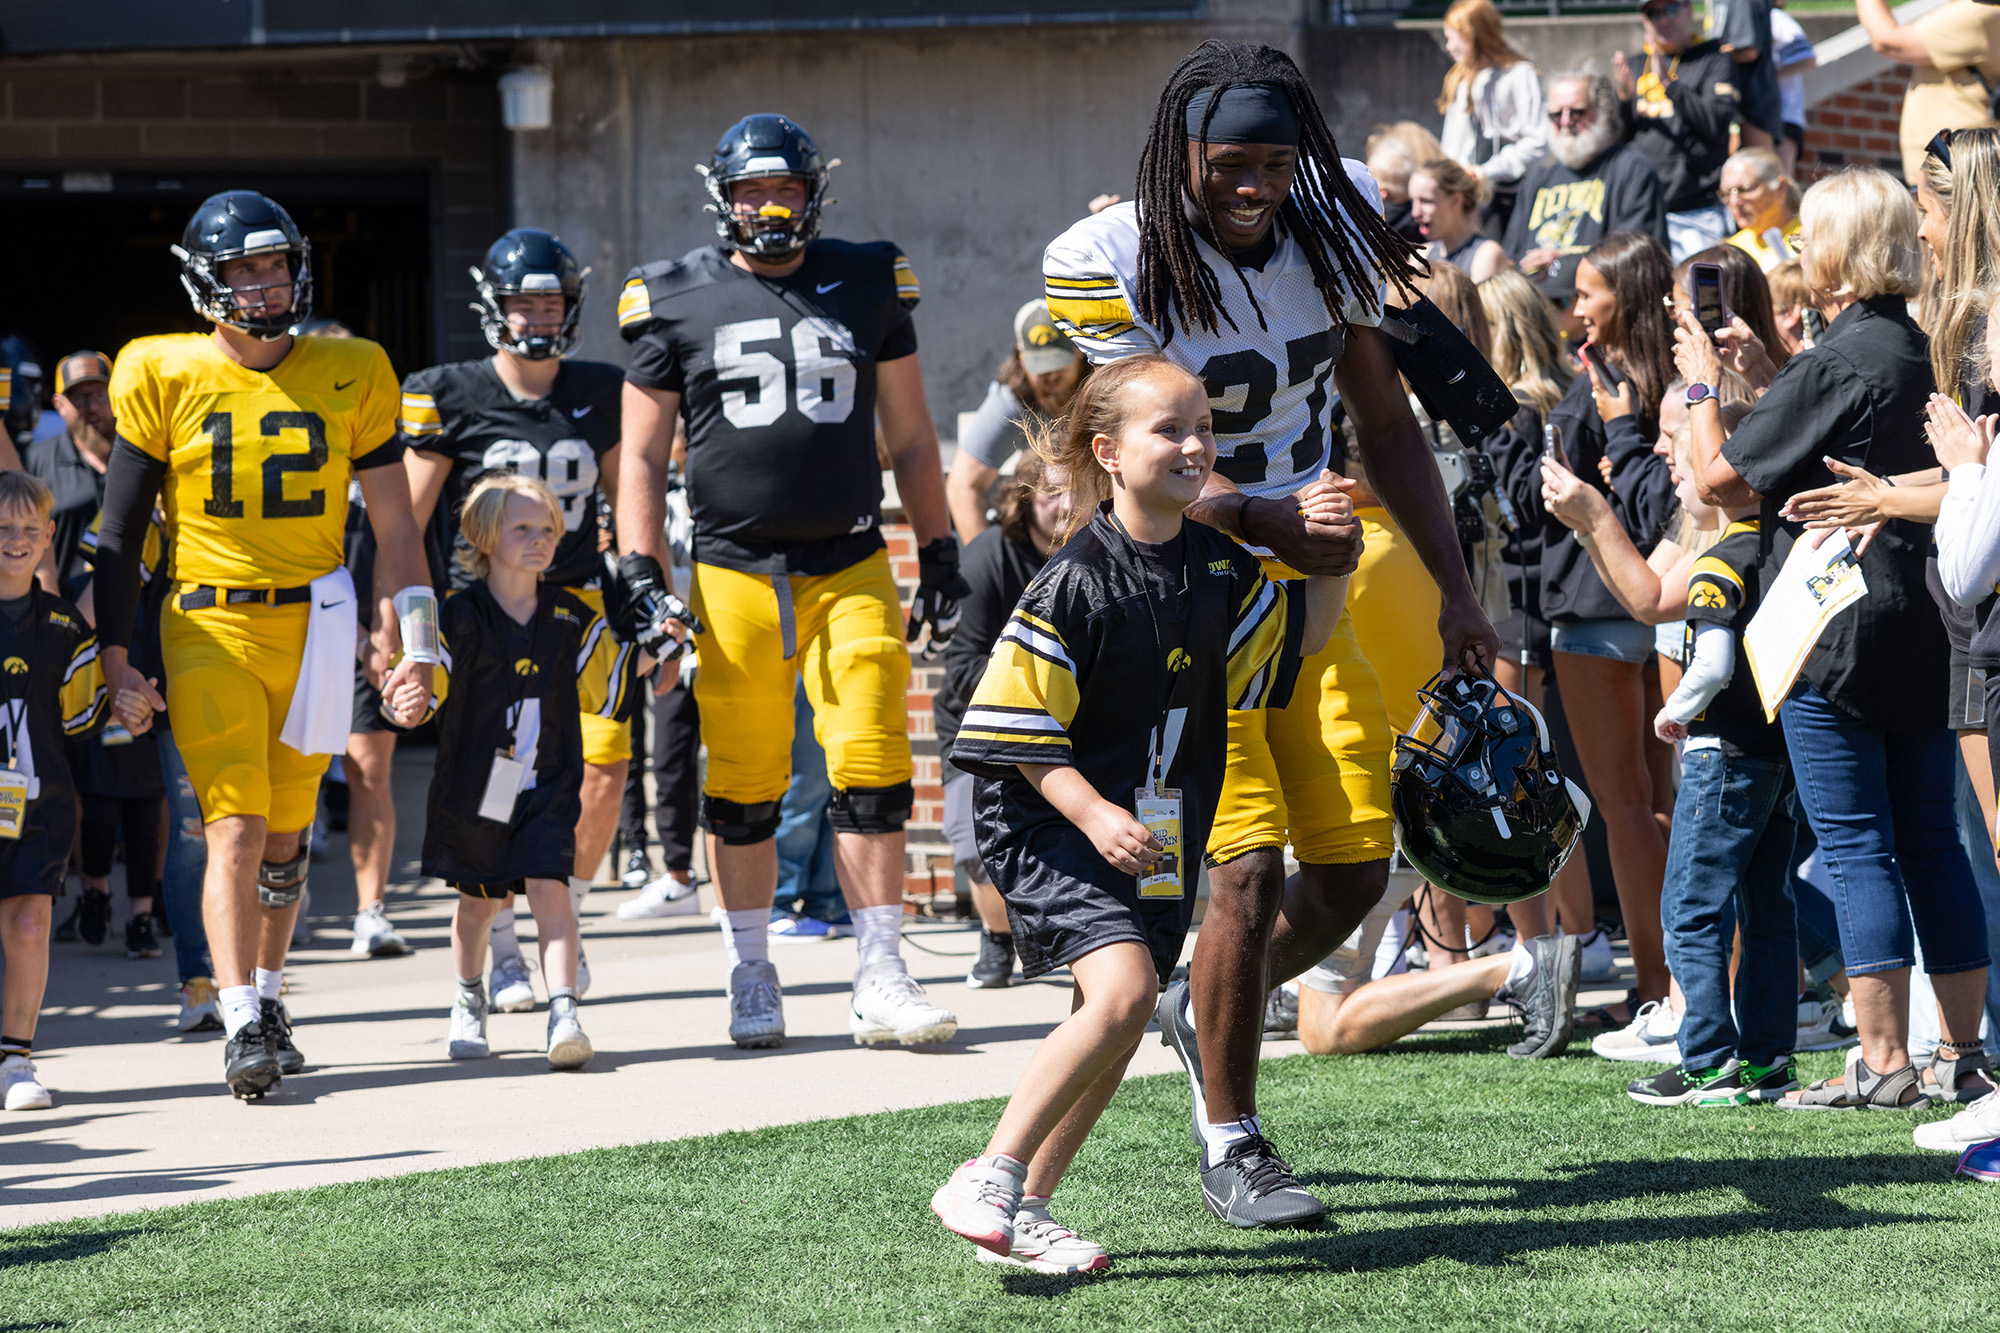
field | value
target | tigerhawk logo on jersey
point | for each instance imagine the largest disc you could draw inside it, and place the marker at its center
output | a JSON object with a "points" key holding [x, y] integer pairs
{"points": [[1177, 660], [525, 667], [16, 667], [1707, 596]]}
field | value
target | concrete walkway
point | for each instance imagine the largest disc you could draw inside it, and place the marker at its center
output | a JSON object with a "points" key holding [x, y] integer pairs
{"points": [[142, 1119]]}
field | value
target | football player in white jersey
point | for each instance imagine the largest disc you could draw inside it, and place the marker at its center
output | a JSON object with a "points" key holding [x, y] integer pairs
{"points": [[1256, 257]]}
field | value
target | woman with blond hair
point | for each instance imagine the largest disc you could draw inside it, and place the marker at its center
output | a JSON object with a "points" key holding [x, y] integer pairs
{"points": [[1492, 105], [1444, 203], [1763, 202], [1865, 722]]}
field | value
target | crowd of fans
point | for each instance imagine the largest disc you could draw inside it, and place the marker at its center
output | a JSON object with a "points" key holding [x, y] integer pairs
{"points": [[1808, 879]]}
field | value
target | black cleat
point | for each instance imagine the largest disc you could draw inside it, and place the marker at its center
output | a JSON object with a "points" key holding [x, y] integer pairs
{"points": [[1177, 1033], [93, 920], [277, 1025], [994, 969], [1252, 1187], [248, 1065], [1548, 1004], [139, 940]]}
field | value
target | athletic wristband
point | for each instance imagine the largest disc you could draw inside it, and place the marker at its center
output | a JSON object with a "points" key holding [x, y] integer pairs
{"points": [[1243, 508], [417, 611]]}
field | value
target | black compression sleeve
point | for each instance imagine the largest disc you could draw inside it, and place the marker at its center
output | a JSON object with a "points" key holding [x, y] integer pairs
{"points": [[131, 483]]}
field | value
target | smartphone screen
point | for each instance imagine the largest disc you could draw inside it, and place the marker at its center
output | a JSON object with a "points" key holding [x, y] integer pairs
{"points": [[1705, 292]]}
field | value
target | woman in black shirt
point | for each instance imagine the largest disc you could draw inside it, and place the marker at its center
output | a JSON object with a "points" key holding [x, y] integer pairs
{"points": [[1864, 722]]}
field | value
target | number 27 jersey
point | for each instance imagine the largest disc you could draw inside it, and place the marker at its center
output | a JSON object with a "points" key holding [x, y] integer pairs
{"points": [[258, 461], [777, 382], [1269, 376]]}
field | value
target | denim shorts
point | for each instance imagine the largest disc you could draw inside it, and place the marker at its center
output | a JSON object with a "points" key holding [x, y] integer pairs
{"points": [[1621, 640]]}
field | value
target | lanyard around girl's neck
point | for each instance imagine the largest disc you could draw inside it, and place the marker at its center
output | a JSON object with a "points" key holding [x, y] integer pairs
{"points": [[1165, 736], [16, 682]]}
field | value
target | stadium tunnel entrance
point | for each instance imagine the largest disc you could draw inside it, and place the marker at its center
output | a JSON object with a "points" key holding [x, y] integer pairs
{"points": [[106, 274]]}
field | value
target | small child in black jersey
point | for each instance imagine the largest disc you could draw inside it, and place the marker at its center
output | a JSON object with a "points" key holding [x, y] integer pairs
{"points": [[519, 657], [51, 687], [1096, 739]]}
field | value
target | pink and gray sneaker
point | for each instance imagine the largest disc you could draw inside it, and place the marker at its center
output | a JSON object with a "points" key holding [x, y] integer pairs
{"points": [[980, 1200]]}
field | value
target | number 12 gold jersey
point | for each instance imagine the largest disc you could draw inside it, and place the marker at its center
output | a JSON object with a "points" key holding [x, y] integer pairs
{"points": [[258, 461]]}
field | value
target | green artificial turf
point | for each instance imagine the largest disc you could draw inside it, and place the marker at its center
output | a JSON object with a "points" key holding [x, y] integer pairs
{"points": [[1469, 1191]]}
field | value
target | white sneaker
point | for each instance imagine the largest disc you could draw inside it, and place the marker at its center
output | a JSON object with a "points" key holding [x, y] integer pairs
{"points": [[1047, 1246], [889, 1006], [1652, 1037], [19, 1086], [756, 1005], [1821, 1027], [665, 896], [509, 986], [980, 1201], [582, 973], [374, 937], [1598, 964], [200, 1009], [1975, 1124], [468, 1027], [569, 1048]]}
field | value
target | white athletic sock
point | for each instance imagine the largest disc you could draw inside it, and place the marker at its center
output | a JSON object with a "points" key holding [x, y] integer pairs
{"points": [[500, 937], [579, 889], [476, 986], [746, 935], [1520, 966], [239, 1007], [1217, 1140], [269, 984], [879, 933]]}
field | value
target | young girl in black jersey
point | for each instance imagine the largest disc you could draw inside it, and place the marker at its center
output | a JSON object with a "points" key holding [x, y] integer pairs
{"points": [[1096, 739], [518, 659]]}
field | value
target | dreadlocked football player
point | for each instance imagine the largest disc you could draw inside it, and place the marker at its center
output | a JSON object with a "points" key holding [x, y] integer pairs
{"points": [[782, 350], [248, 437], [527, 410], [1256, 257]]}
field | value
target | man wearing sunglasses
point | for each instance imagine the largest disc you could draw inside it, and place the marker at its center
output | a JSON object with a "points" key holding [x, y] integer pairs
{"points": [[1592, 185], [1682, 98], [1955, 52]]}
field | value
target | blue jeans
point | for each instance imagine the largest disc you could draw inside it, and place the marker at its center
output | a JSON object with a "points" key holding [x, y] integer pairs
{"points": [[1819, 923], [805, 835], [187, 862], [1883, 810], [1729, 863]]}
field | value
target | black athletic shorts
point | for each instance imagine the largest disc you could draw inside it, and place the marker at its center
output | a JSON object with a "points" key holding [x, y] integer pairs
{"points": [[500, 890], [1058, 920]]}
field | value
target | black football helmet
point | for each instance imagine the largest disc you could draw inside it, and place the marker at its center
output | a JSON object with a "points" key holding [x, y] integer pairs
{"points": [[1480, 807], [528, 261], [766, 145], [232, 225], [23, 365]]}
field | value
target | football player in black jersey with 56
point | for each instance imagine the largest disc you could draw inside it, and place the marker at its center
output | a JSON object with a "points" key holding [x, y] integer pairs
{"points": [[526, 409], [783, 350]]}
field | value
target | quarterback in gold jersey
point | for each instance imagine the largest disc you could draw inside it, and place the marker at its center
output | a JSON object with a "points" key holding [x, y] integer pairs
{"points": [[248, 436]]}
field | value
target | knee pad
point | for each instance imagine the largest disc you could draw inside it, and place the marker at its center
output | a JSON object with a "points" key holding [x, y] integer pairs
{"points": [[739, 825], [281, 883], [871, 809]]}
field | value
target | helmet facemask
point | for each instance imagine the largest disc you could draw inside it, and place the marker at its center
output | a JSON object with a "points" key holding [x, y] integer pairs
{"points": [[216, 301], [531, 346], [773, 232]]}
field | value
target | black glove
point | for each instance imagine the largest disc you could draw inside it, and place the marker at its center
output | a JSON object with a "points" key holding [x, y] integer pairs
{"points": [[638, 605], [939, 588]]}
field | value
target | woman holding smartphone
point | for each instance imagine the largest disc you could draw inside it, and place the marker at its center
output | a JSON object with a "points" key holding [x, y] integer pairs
{"points": [[1603, 657]]}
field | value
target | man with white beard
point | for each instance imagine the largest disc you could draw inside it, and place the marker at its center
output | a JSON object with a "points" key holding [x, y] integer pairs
{"points": [[1592, 185]]}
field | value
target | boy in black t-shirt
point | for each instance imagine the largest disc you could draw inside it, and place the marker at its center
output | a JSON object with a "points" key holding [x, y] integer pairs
{"points": [[1729, 862]]}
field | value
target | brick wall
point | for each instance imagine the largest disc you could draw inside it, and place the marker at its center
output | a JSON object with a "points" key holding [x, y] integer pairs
{"points": [[1859, 125], [927, 871]]}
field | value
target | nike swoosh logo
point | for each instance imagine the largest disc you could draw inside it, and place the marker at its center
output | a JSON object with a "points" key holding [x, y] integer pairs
{"points": [[823, 289], [583, 411], [326, 606], [338, 386]]}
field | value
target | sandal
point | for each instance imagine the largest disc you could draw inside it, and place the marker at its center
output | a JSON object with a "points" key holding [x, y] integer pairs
{"points": [[1941, 1079], [1604, 1018], [1860, 1088]]}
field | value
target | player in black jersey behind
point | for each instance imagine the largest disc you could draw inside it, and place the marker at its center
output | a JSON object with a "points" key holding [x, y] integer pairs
{"points": [[782, 350], [528, 410]]}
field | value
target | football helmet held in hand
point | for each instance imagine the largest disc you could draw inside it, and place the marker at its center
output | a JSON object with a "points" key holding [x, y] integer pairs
{"points": [[1480, 806]]}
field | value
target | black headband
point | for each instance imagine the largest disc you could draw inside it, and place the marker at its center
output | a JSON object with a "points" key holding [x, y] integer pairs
{"points": [[1245, 113]]}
